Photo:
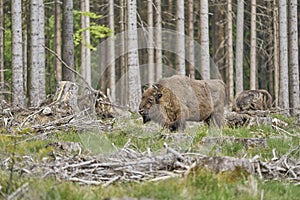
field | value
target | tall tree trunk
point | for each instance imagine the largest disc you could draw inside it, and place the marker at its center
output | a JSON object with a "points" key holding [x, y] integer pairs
{"points": [[34, 55], [83, 42], [229, 59], [151, 68], [57, 41], [88, 43], [293, 58], [123, 69], [204, 40], [239, 55], [170, 60], [253, 46], [283, 46], [67, 41], [276, 53], [49, 68], [111, 45], [158, 40], [1, 46], [18, 97], [85, 45], [25, 28], [180, 43], [270, 49], [42, 74], [191, 55], [219, 41], [133, 62]]}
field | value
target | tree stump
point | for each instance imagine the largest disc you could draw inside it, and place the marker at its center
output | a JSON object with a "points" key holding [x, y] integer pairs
{"points": [[66, 97]]}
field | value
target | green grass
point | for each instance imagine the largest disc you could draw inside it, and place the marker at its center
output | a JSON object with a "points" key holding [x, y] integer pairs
{"points": [[199, 184]]}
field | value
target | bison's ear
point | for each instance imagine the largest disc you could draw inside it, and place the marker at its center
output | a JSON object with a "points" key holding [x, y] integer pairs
{"points": [[145, 87], [157, 86]]}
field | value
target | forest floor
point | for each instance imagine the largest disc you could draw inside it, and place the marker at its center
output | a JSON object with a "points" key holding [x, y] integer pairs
{"points": [[121, 158]]}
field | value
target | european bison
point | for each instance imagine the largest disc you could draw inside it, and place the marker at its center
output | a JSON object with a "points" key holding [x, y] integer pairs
{"points": [[252, 100], [171, 101]]}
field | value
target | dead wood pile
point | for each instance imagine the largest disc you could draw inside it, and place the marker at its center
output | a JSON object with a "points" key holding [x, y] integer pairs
{"points": [[127, 164], [252, 118], [66, 109]]}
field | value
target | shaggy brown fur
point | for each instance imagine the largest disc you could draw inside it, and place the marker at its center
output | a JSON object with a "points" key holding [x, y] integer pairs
{"points": [[176, 99], [217, 88], [252, 100]]}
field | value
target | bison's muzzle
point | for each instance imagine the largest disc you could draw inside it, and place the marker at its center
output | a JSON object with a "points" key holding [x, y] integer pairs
{"points": [[145, 115]]}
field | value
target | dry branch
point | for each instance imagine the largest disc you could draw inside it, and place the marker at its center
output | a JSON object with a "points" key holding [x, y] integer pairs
{"points": [[127, 165]]}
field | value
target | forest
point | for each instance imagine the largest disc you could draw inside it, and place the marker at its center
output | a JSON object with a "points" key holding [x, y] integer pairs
{"points": [[74, 75]]}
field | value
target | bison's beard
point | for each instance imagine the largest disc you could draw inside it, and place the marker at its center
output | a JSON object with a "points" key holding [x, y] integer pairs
{"points": [[146, 118], [158, 114]]}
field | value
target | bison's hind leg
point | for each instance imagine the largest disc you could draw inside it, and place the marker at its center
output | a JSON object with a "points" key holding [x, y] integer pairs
{"points": [[216, 119]]}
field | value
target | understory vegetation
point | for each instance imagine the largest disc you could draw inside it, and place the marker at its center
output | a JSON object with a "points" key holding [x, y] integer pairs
{"points": [[199, 183]]}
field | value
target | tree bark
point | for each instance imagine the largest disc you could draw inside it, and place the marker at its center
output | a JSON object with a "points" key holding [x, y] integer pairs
{"points": [[253, 46], [133, 58], [229, 59], [276, 53], [293, 58], [204, 40], [67, 41], [123, 67], [83, 41], [151, 68], [180, 43], [25, 43], [239, 85], [18, 96], [111, 45], [191, 55], [88, 43], [158, 40], [41, 56], [85, 45], [283, 46], [219, 40], [34, 55], [57, 41]]}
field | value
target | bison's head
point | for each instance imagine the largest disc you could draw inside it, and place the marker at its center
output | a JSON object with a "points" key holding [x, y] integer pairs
{"points": [[150, 97]]}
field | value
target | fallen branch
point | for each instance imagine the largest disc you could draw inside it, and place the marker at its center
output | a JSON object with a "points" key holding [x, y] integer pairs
{"points": [[19, 192]]}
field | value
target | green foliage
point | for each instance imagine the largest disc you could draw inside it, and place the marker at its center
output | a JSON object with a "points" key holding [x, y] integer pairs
{"points": [[97, 31], [34, 147], [87, 14], [289, 120]]}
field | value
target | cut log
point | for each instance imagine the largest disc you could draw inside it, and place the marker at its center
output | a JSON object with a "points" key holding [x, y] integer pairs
{"points": [[221, 164], [246, 142], [248, 118], [97, 103], [68, 98]]}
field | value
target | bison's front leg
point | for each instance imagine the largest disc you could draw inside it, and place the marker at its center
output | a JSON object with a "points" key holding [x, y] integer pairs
{"points": [[177, 125]]}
